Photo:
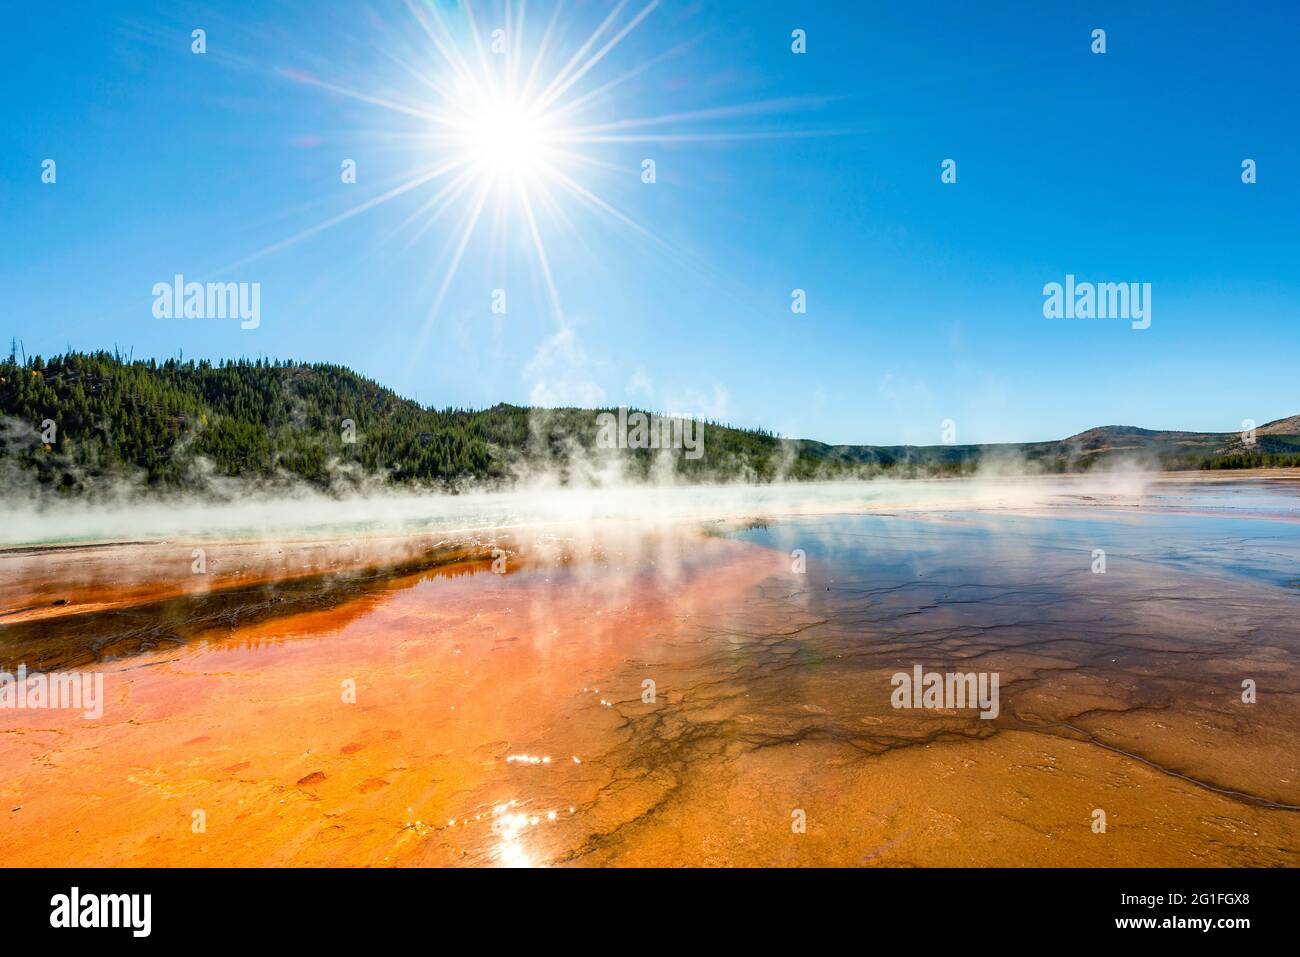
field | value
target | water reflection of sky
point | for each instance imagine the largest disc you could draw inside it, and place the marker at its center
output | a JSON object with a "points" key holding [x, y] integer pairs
{"points": [[1264, 550]]}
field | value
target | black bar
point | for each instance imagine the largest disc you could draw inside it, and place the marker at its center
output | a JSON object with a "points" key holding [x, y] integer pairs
{"points": [[599, 910]]}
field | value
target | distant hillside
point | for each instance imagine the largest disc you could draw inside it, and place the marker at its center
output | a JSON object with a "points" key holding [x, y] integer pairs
{"points": [[1289, 426], [84, 422]]}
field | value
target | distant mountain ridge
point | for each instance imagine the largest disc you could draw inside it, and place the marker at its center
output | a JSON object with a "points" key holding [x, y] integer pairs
{"points": [[83, 422], [1287, 426]]}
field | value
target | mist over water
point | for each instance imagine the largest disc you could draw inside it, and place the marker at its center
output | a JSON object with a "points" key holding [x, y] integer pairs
{"points": [[313, 514]]}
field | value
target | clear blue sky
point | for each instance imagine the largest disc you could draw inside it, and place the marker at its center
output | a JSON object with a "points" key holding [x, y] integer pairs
{"points": [[818, 171]]}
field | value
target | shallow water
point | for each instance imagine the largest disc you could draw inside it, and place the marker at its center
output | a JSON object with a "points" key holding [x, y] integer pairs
{"points": [[506, 719]]}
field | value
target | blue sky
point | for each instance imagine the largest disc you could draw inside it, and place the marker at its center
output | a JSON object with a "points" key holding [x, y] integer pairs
{"points": [[775, 171]]}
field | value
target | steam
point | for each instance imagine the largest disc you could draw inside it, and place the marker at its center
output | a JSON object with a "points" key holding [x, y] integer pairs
{"points": [[562, 480], [542, 501]]}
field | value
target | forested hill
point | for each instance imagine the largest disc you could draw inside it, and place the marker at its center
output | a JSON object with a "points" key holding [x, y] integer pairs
{"points": [[84, 422], [177, 424]]}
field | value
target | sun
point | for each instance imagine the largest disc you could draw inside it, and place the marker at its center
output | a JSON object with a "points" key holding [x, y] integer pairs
{"points": [[508, 138], [516, 127]]}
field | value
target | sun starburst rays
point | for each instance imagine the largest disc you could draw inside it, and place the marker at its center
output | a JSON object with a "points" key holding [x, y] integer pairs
{"points": [[511, 136]]}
